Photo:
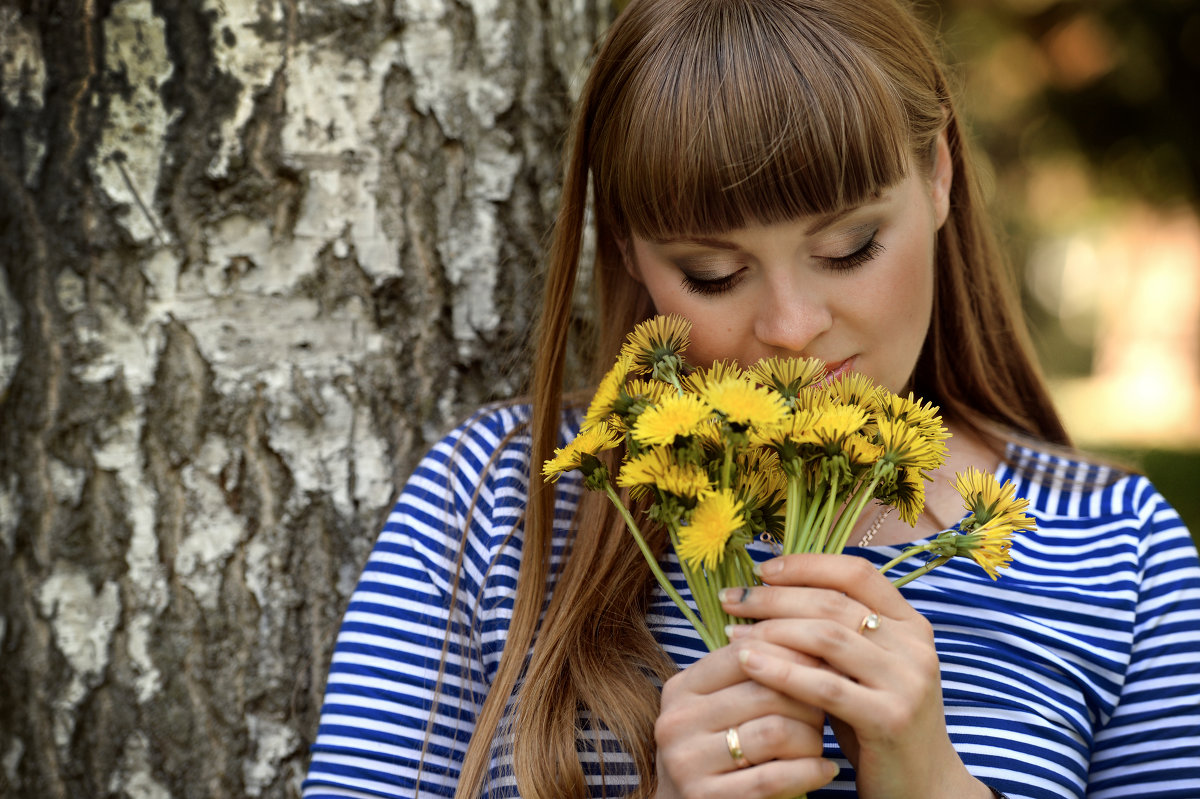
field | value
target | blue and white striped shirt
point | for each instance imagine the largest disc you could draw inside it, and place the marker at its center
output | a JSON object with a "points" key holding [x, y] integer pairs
{"points": [[1076, 674]]}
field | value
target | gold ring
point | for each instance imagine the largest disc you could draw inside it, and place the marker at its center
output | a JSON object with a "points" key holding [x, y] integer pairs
{"points": [[735, 748], [870, 622]]}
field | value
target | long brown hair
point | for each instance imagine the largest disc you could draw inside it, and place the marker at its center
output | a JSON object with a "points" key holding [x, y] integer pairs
{"points": [[702, 116]]}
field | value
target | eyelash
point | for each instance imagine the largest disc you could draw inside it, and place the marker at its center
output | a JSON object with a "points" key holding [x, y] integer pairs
{"points": [[862, 255], [710, 288], [845, 263]]}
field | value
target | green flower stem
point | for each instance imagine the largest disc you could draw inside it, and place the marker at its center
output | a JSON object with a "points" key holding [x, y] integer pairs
{"points": [[792, 512], [831, 504], [850, 518], [732, 573], [745, 565], [711, 612], [712, 615], [658, 572], [905, 555], [727, 468], [673, 379], [816, 503], [928, 567], [704, 588]]}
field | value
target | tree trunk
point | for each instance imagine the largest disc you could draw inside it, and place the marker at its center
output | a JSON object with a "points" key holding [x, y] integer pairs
{"points": [[256, 257]]}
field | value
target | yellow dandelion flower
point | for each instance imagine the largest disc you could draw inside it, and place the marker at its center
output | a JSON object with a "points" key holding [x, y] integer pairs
{"points": [[589, 443], [910, 495], [656, 468], [853, 388], [795, 431], [764, 496], [788, 375], [708, 433], [991, 506], [923, 417], [996, 513], [812, 398], [743, 403], [835, 424], [715, 519], [981, 491], [608, 392], [987, 500], [650, 391], [718, 372], [990, 548], [861, 451], [656, 339], [905, 446], [757, 488], [757, 460], [679, 415]]}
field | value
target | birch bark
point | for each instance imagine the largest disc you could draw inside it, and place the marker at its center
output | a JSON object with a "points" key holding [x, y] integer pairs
{"points": [[256, 255]]}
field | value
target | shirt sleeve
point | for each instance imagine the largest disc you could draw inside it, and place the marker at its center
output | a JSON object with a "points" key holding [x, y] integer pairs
{"points": [[414, 654], [1150, 745]]}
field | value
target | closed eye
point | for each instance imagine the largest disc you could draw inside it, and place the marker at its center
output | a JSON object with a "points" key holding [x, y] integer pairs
{"points": [[711, 287], [869, 251]]}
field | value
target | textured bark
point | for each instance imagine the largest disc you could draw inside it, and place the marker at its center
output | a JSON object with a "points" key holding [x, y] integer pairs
{"points": [[256, 255]]}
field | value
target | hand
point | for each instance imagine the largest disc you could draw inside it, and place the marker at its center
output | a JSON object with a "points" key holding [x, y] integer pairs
{"points": [[780, 737], [881, 687]]}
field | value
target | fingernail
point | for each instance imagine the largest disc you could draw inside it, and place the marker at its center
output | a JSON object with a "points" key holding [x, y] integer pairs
{"points": [[733, 631], [751, 660], [732, 595], [771, 567], [833, 768]]}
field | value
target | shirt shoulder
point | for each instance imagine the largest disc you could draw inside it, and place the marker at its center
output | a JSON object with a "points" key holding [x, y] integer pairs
{"points": [[1071, 491]]}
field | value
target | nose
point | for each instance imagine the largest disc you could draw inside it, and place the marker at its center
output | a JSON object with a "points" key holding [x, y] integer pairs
{"points": [[791, 317]]}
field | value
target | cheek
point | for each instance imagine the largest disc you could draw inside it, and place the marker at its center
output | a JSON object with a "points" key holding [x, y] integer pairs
{"points": [[912, 283], [905, 305]]}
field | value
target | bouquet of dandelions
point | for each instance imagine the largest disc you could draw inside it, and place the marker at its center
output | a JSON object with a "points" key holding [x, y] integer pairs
{"points": [[725, 455]]}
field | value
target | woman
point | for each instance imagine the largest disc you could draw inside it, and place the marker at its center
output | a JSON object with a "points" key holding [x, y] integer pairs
{"points": [[791, 177]]}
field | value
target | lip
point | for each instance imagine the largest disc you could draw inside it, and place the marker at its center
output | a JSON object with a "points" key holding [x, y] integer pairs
{"points": [[835, 370]]}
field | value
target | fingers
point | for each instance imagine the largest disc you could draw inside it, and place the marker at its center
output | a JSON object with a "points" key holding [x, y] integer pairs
{"points": [[714, 694], [842, 639], [761, 739], [795, 602], [829, 690], [832, 633], [847, 574], [770, 755], [881, 701], [777, 779], [842, 648], [716, 671], [779, 740]]}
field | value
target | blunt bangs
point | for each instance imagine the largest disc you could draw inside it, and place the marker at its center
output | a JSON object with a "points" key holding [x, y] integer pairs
{"points": [[729, 113]]}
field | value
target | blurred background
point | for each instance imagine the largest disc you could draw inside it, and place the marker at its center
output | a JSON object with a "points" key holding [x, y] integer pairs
{"points": [[1090, 114]]}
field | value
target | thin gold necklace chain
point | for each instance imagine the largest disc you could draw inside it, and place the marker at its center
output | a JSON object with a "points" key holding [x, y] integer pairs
{"points": [[875, 525]]}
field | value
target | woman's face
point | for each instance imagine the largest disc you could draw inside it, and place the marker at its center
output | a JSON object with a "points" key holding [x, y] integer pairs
{"points": [[854, 290]]}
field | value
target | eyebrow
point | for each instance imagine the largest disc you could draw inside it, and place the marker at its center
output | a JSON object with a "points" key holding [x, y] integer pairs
{"points": [[818, 224], [825, 220]]}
